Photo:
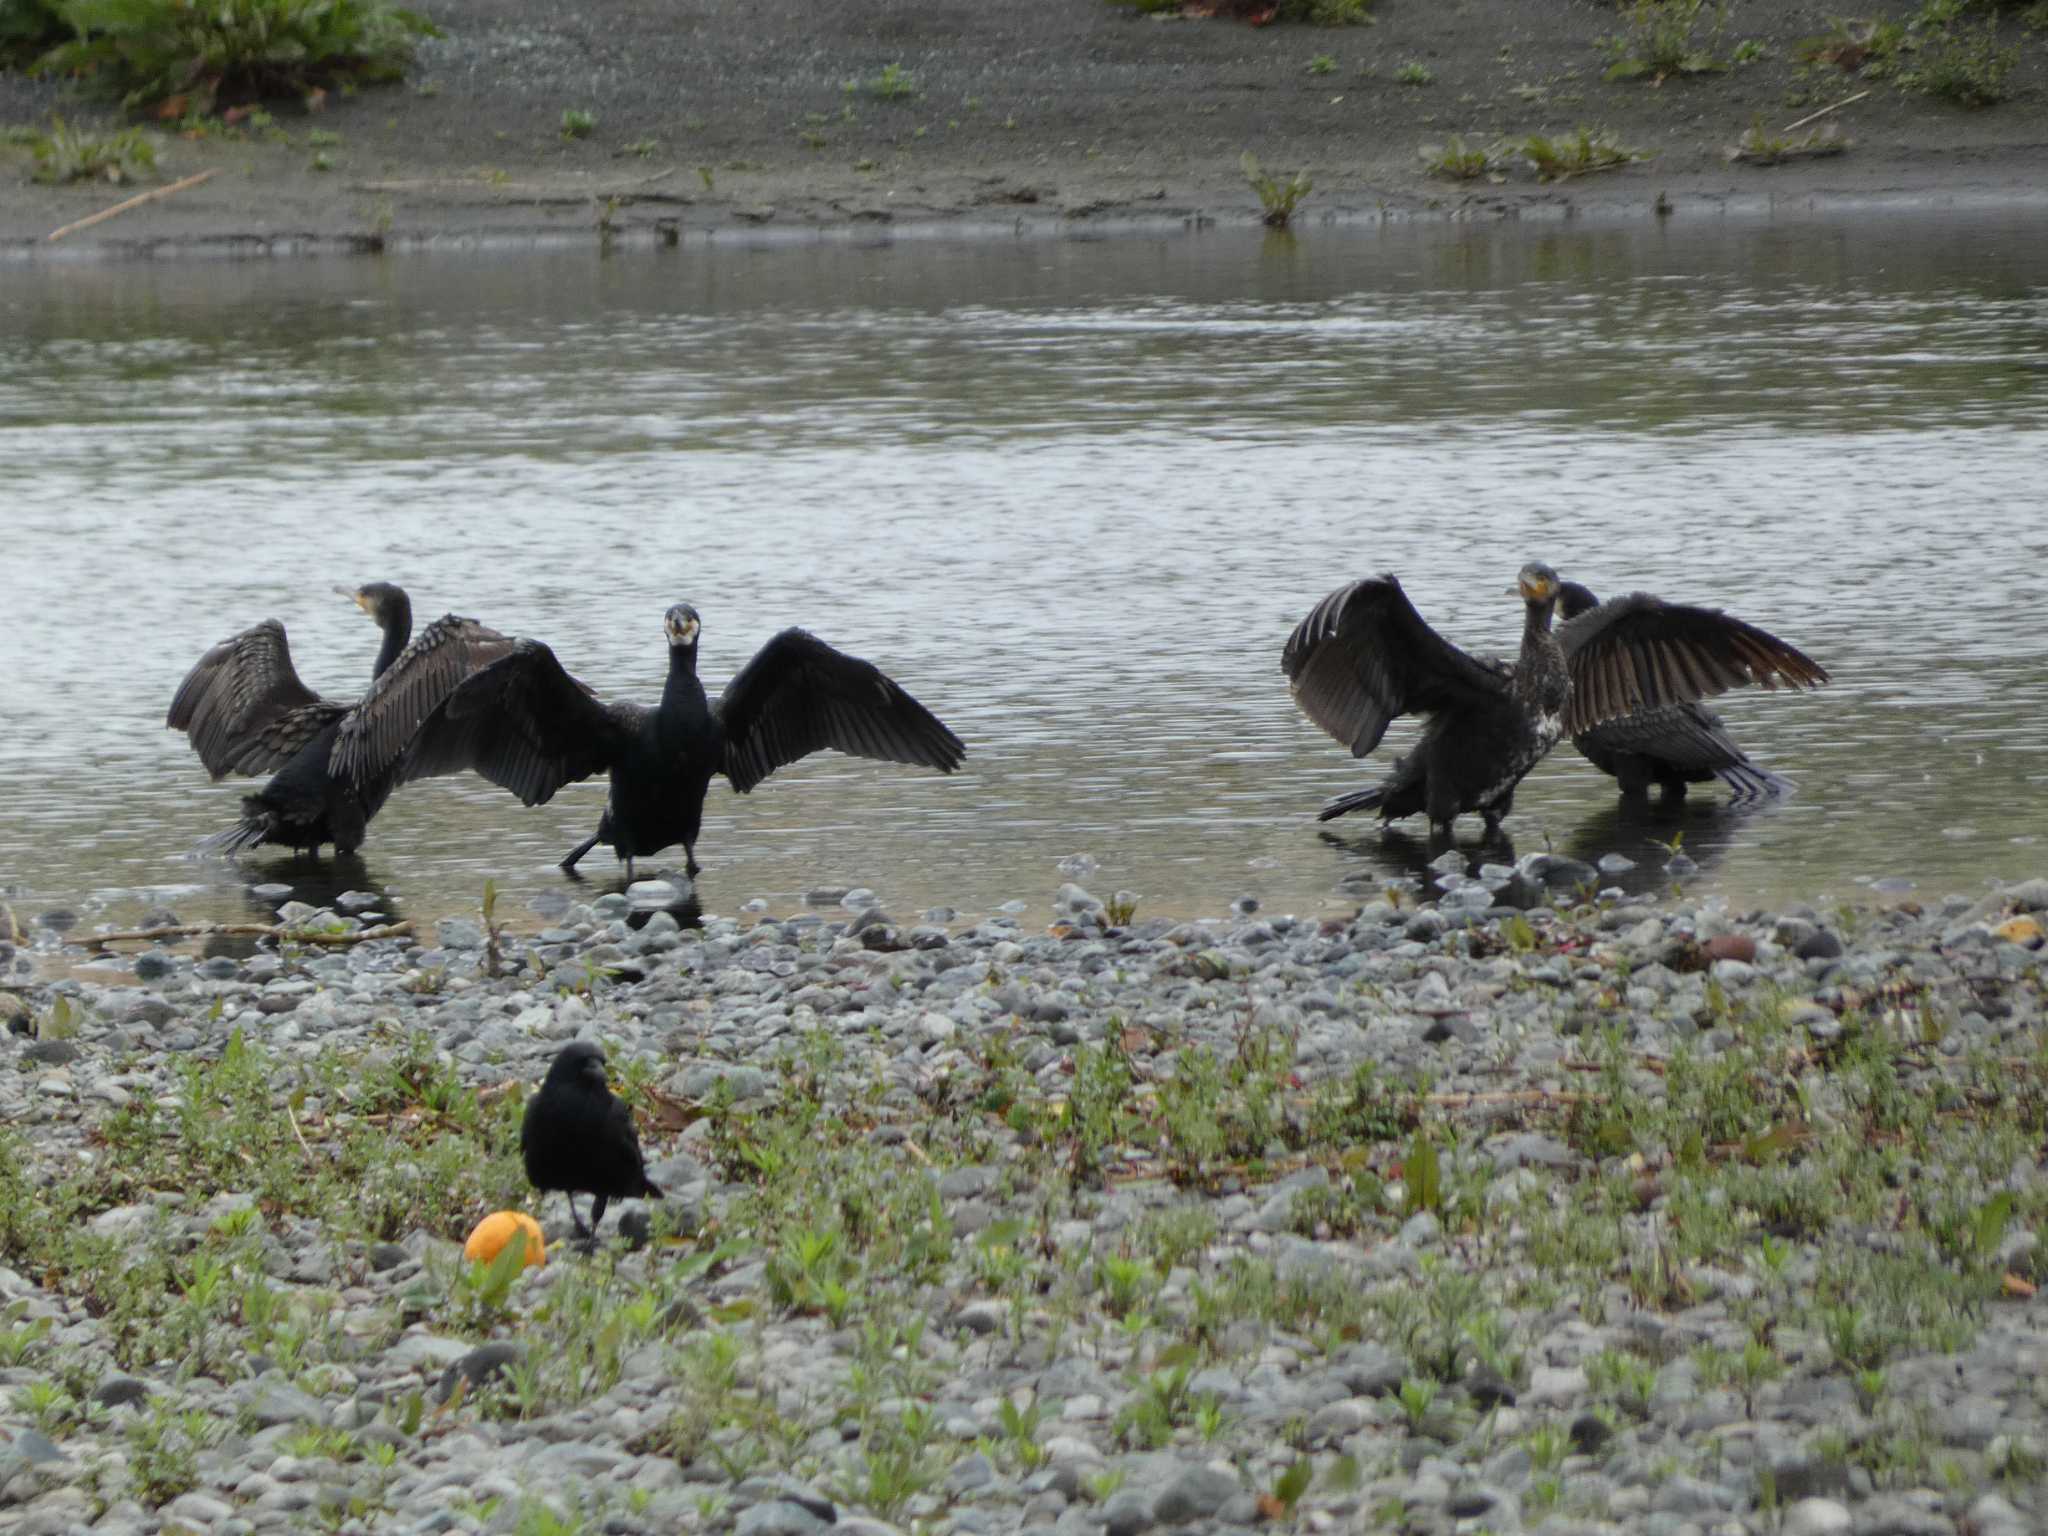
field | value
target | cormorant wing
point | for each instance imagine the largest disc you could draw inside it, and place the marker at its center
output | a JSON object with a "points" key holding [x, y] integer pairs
{"points": [[523, 723], [1638, 652], [374, 734], [1678, 735], [244, 707], [1364, 656], [799, 695]]}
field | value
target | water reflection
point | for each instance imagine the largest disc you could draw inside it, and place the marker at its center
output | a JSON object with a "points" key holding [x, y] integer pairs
{"points": [[1073, 497]]}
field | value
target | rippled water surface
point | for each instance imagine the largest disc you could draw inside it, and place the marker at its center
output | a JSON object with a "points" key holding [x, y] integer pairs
{"points": [[1071, 494]]}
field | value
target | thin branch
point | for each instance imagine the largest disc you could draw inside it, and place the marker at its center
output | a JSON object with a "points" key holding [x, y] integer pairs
{"points": [[246, 931], [1823, 112], [152, 195]]}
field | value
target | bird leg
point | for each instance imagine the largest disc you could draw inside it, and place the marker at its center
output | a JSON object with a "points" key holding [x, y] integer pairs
{"points": [[576, 853], [575, 1220], [629, 869], [690, 864]]}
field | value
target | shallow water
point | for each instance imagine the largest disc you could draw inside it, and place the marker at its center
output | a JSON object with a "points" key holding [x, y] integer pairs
{"points": [[1072, 495]]}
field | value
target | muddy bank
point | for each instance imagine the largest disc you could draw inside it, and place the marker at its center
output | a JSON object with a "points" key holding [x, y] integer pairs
{"points": [[784, 118]]}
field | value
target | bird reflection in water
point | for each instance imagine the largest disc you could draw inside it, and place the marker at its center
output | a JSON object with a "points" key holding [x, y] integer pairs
{"points": [[1670, 841]]}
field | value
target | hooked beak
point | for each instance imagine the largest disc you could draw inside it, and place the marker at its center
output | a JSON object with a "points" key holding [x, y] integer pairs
{"points": [[354, 595]]}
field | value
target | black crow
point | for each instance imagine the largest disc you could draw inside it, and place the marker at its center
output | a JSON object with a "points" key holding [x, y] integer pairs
{"points": [[578, 1137]]}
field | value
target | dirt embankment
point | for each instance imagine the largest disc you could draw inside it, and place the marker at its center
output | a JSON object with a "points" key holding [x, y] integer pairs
{"points": [[788, 115]]}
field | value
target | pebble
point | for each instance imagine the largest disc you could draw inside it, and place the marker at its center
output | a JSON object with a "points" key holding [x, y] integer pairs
{"points": [[908, 1015]]}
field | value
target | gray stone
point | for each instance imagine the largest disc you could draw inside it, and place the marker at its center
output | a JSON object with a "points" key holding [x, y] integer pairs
{"points": [[779, 1517], [54, 1053], [1126, 1512], [459, 933], [276, 1402], [1195, 1494], [1816, 1517]]}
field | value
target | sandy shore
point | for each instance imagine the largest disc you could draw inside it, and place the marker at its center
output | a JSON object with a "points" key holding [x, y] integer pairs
{"points": [[718, 117]]}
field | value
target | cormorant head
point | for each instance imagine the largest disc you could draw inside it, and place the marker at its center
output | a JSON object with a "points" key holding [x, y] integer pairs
{"points": [[1537, 583], [381, 600], [579, 1062], [682, 626], [1574, 599]]}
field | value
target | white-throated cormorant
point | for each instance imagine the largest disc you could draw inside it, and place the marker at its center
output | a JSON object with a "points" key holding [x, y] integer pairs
{"points": [[526, 724], [1666, 745], [246, 711], [1364, 656]]}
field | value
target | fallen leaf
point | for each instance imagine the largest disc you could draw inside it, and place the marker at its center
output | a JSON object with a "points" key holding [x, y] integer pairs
{"points": [[2013, 1285], [1271, 1508]]}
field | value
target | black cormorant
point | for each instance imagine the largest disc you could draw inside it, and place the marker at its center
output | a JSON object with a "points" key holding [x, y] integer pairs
{"points": [[526, 724], [246, 711], [1364, 656], [1668, 745]]}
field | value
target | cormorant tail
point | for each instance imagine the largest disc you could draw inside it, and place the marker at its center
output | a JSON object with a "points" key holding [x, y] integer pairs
{"points": [[1748, 782], [1362, 800]]}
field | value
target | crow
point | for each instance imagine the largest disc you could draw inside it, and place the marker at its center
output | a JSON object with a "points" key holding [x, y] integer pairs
{"points": [[578, 1137]]}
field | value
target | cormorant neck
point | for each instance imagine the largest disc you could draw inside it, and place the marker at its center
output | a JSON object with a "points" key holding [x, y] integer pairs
{"points": [[397, 622], [1536, 623], [682, 689]]}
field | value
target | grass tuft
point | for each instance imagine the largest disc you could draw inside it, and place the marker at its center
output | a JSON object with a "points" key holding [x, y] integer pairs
{"points": [[185, 59], [1277, 198]]}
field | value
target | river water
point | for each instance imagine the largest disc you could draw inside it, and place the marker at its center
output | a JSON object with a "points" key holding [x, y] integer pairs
{"points": [[1073, 495]]}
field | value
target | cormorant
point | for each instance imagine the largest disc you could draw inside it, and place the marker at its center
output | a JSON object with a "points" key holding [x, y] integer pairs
{"points": [[578, 1137], [1364, 656], [1668, 745], [526, 724], [246, 711]]}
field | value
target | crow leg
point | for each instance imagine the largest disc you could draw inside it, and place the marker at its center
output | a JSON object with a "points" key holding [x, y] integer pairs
{"points": [[629, 869], [597, 1205], [690, 864], [575, 1220], [576, 853]]}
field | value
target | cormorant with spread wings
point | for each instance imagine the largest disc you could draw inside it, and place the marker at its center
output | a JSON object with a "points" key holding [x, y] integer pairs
{"points": [[246, 711], [1365, 656], [1666, 745], [526, 724]]}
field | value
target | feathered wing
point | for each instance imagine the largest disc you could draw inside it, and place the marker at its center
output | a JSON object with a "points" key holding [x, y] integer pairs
{"points": [[243, 706], [523, 723], [1639, 652], [1364, 656], [799, 695], [374, 735]]}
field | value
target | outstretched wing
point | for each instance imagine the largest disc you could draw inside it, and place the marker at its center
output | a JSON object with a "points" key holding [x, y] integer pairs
{"points": [[1364, 656], [374, 734], [798, 696], [523, 723], [244, 707], [1639, 652]]}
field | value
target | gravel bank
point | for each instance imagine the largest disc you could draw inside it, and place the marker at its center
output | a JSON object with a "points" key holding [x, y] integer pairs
{"points": [[1521, 1208]]}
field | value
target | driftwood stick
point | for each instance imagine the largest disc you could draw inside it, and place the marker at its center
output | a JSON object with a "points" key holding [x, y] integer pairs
{"points": [[152, 195], [1824, 111], [246, 931]]}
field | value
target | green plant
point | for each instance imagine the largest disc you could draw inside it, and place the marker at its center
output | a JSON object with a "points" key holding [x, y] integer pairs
{"points": [[1454, 159], [1582, 151], [1326, 13], [894, 83], [1964, 65], [1662, 40], [1759, 146], [577, 123], [1416, 1397], [1415, 72], [69, 154], [1322, 64], [27, 27], [1277, 198], [200, 57]]}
